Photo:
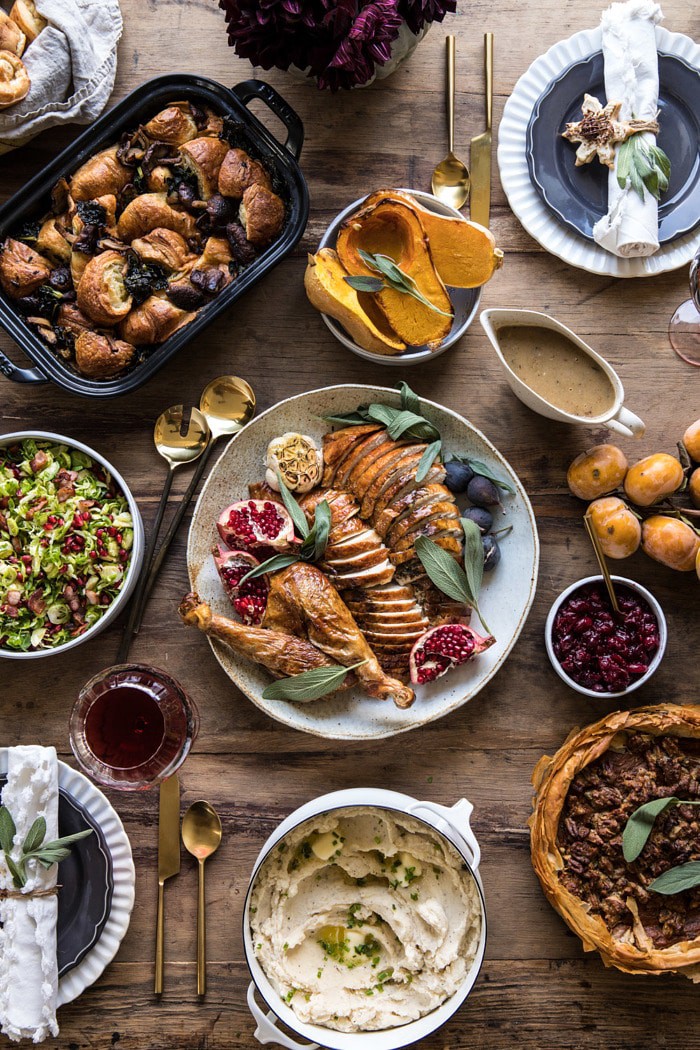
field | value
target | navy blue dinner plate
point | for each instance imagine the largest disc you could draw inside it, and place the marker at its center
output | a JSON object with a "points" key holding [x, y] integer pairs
{"points": [[86, 885], [579, 196]]}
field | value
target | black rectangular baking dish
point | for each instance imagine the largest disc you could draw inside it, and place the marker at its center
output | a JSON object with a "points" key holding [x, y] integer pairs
{"points": [[135, 109]]}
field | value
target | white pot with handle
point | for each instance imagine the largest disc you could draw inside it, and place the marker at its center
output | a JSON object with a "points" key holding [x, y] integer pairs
{"points": [[453, 823]]}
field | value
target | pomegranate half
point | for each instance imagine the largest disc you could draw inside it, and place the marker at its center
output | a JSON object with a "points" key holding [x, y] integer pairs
{"points": [[250, 599], [255, 523], [442, 648]]}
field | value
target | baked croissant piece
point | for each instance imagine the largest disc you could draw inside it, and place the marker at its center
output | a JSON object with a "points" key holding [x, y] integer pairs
{"points": [[24, 14], [148, 212], [22, 269], [175, 124], [203, 157], [153, 321], [262, 215], [101, 174], [14, 79], [102, 293], [239, 171], [165, 248], [102, 356]]}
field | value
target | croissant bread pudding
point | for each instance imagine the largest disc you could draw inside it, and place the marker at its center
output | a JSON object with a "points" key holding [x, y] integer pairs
{"points": [[143, 235], [638, 921]]}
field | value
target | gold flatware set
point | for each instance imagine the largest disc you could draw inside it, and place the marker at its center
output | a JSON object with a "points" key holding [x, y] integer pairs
{"points": [[201, 834], [452, 182]]}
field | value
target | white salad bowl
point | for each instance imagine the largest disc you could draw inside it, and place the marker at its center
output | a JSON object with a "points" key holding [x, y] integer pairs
{"points": [[465, 301], [653, 604], [137, 550], [453, 823]]}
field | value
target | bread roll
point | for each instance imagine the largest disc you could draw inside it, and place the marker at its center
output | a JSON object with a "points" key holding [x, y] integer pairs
{"points": [[51, 241], [102, 294], [102, 356], [25, 15], [14, 79], [203, 157], [99, 175], [238, 172], [164, 248], [174, 125], [149, 211], [11, 36], [22, 269], [153, 321], [262, 215]]}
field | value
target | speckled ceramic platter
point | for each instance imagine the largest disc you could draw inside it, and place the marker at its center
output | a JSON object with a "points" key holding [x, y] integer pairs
{"points": [[506, 597]]}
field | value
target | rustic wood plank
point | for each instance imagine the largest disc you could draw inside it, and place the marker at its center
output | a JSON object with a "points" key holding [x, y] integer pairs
{"points": [[537, 989]]}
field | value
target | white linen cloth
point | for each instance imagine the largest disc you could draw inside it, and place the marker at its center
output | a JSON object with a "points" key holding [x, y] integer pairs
{"points": [[631, 227], [71, 64], [28, 967]]}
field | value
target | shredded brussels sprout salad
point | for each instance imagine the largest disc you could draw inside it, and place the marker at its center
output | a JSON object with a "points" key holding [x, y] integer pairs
{"points": [[66, 534]]}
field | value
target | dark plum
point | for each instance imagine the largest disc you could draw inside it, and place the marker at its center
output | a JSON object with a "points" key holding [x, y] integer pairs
{"points": [[482, 492], [492, 553], [481, 517], [458, 475]]}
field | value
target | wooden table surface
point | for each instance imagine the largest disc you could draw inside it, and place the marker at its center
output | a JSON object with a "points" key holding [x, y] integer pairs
{"points": [[537, 989]]}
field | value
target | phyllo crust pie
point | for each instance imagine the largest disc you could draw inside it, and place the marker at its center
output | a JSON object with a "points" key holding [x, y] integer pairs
{"points": [[584, 798]]}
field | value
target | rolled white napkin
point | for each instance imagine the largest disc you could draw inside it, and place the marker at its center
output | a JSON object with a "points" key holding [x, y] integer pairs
{"points": [[631, 227], [28, 967]]}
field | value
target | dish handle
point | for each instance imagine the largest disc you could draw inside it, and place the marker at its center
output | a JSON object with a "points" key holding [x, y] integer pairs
{"points": [[458, 818], [250, 89], [267, 1031], [20, 375]]}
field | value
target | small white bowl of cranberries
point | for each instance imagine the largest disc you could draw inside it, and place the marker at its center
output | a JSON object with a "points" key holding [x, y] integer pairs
{"points": [[594, 652]]}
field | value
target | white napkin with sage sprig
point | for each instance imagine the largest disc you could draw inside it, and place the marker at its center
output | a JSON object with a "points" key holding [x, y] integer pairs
{"points": [[29, 854], [630, 228]]}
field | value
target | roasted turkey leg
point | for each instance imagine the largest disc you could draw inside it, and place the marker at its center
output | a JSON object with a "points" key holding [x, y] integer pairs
{"points": [[283, 654], [303, 601]]}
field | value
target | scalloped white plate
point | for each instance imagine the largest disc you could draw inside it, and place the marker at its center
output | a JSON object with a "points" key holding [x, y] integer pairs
{"points": [[506, 596], [89, 969], [524, 200]]}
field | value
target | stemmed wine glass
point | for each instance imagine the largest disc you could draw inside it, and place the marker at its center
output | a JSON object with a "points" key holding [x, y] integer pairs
{"points": [[684, 327]]}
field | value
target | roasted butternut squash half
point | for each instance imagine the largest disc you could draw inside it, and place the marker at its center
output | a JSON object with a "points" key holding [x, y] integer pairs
{"points": [[327, 290], [464, 253], [392, 228]]}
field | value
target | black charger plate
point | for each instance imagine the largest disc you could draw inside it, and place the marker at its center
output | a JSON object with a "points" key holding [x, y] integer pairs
{"points": [[86, 885], [579, 196]]}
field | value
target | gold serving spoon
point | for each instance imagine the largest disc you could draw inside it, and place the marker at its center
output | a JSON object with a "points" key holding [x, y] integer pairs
{"points": [[450, 182], [600, 557], [227, 404], [201, 834], [178, 445]]}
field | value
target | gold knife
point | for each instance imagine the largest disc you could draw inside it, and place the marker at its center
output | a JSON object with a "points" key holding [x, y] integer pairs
{"points": [[480, 156], [168, 859]]}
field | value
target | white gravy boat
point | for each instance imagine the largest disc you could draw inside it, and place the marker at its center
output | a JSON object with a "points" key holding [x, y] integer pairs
{"points": [[617, 417]]}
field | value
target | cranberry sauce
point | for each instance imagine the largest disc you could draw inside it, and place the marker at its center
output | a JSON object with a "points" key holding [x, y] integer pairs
{"points": [[597, 651], [124, 727]]}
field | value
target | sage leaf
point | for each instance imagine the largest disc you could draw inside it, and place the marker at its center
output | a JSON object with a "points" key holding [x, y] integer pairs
{"points": [[322, 528], [473, 556], [297, 514], [274, 564], [675, 880], [404, 424], [67, 840], [427, 459], [365, 284], [7, 830], [19, 877], [640, 824], [447, 575], [410, 402], [35, 836], [309, 685], [349, 419], [483, 471], [398, 280]]}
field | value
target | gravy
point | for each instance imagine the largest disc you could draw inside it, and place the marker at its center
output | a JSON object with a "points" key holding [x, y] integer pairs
{"points": [[556, 369]]}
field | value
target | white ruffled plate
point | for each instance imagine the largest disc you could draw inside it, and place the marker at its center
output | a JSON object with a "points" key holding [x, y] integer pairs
{"points": [[92, 966], [524, 200]]}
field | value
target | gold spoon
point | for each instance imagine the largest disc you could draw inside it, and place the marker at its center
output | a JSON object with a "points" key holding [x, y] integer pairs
{"points": [[201, 834], [227, 404], [178, 445], [450, 182], [600, 557]]}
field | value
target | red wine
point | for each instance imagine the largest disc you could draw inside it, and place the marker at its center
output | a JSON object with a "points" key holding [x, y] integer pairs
{"points": [[124, 727]]}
